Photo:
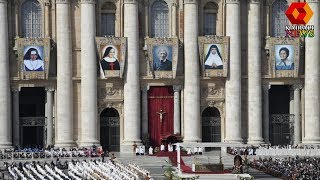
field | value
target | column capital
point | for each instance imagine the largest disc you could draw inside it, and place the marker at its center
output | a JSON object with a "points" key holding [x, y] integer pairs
{"points": [[130, 1], [312, 1], [87, 1], [232, 1], [255, 1], [297, 86], [145, 88], [50, 89], [176, 88], [47, 3], [62, 1], [266, 87], [190, 1], [15, 89]]}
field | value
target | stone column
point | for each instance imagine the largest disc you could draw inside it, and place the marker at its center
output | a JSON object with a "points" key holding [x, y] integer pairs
{"points": [[192, 74], [145, 118], [5, 111], [146, 9], [297, 113], [176, 114], [174, 19], [89, 108], [233, 82], [312, 79], [15, 117], [49, 115], [64, 121], [132, 84], [47, 19], [266, 88], [254, 74], [17, 12]]}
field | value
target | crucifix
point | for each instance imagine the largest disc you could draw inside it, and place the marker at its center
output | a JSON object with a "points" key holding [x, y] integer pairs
{"points": [[161, 114]]}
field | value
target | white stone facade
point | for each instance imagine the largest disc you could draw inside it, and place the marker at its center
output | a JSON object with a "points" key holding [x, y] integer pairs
{"points": [[76, 95]]}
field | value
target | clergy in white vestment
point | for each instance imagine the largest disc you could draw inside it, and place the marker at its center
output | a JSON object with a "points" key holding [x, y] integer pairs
{"points": [[162, 147], [150, 150], [213, 58], [170, 147]]}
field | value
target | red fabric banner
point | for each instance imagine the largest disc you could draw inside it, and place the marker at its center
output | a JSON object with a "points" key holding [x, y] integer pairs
{"points": [[160, 110]]}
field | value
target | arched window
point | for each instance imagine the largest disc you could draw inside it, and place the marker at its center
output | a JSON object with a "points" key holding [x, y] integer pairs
{"points": [[210, 18], [159, 19], [31, 19], [108, 18], [279, 18]]}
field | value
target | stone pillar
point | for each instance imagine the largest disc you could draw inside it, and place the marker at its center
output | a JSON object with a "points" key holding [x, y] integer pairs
{"points": [[312, 79], [174, 19], [17, 12], [266, 88], [146, 9], [49, 115], [5, 111], [297, 113], [47, 19], [192, 74], [64, 121], [233, 82], [176, 114], [254, 74], [132, 84], [89, 108], [15, 117], [145, 118]]}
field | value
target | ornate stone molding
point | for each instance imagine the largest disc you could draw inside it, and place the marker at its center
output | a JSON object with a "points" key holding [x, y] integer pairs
{"points": [[232, 1], [88, 1], [15, 89], [62, 1], [110, 91], [50, 89]]}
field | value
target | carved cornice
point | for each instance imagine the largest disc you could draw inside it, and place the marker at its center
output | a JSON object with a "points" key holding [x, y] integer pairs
{"points": [[232, 1], [62, 1], [88, 1]]}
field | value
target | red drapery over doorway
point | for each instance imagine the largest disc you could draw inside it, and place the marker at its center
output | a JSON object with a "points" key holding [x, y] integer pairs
{"points": [[160, 113]]}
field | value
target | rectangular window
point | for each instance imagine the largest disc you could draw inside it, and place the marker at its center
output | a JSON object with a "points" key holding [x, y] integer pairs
{"points": [[210, 23], [108, 24]]}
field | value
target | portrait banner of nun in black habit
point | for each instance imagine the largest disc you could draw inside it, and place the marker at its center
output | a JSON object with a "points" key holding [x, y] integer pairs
{"points": [[109, 59], [213, 59], [32, 60]]}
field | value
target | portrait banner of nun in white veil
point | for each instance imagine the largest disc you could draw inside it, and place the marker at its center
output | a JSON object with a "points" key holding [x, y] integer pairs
{"points": [[214, 53], [112, 55], [34, 56]]}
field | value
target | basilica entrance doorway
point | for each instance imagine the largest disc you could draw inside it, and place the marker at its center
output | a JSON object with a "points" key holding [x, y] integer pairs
{"points": [[281, 121], [32, 121], [211, 126], [160, 114], [110, 129]]}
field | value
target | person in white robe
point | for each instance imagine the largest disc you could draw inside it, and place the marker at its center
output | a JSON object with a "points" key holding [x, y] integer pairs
{"points": [[213, 58]]}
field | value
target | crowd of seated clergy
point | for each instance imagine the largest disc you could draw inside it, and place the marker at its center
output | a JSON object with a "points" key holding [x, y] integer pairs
{"points": [[77, 170]]}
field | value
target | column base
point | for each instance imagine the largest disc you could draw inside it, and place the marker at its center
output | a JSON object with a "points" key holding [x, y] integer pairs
{"points": [[127, 146], [313, 140], [88, 143], [6, 145], [65, 144], [233, 140], [256, 141]]}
